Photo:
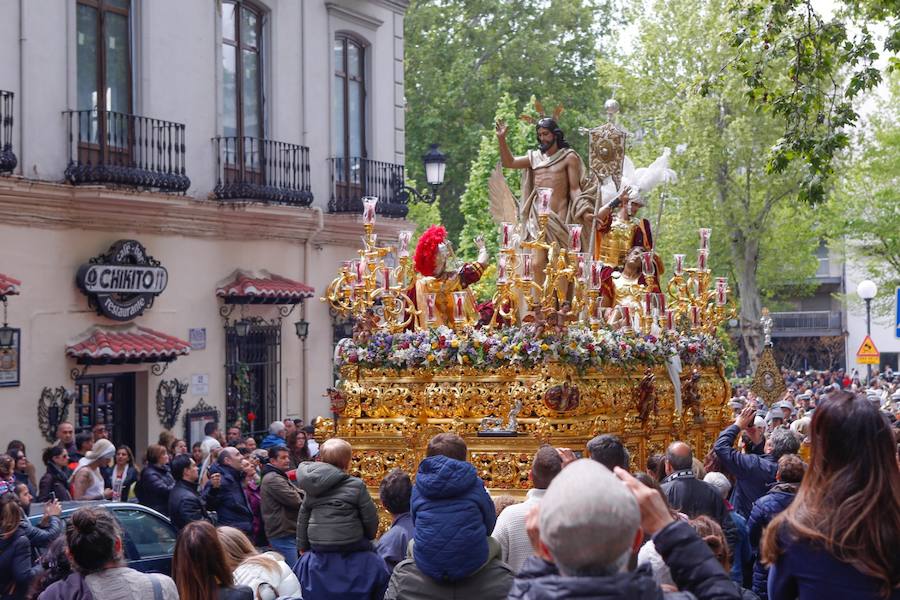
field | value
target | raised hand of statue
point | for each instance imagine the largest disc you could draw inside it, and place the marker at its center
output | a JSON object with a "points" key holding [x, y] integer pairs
{"points": [[479, 242], [500, 127]]}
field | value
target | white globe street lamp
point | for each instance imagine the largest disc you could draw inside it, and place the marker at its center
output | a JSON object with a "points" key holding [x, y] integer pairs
{"points": [[867, 290]]}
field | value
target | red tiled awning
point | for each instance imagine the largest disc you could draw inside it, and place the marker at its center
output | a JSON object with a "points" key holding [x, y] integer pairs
{"points": [[262, 287], [127, 344], [8, 285]]}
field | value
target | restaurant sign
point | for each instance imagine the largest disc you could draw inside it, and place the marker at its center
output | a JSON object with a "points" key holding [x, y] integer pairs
{"points": [[122, 283]]}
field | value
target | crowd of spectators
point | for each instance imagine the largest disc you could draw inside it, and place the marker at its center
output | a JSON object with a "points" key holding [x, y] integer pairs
{"points": [[289, 519]]}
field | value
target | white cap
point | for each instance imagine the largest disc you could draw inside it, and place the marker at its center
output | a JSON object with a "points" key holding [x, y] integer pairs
{"points": [[588, 517]]}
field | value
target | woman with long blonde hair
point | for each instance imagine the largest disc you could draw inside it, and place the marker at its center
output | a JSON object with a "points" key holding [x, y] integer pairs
{"points": [[840, 537], [266, 574]]}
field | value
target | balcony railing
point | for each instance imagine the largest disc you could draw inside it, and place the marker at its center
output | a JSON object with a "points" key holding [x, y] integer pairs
{"points": [[355, 177], [107, 147], [8, 160], [258, 169], [806, 321]]}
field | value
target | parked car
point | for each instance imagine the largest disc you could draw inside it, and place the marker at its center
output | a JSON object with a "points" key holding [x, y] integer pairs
{"points": [[149, 537]]}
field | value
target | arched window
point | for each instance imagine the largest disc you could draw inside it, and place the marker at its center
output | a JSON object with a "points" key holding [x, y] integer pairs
{"points": [[349, 107], [242, 33]]}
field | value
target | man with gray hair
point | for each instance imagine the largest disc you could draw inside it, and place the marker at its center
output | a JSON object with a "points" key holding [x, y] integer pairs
{"points": [[589, 524], [276, 436], [753, 474]]}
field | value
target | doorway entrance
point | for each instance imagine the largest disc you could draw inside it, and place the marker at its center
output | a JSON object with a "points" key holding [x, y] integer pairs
{"points": [[106, 400]]}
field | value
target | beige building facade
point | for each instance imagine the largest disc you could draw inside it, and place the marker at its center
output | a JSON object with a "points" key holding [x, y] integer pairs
{"points": [[228, 141]]}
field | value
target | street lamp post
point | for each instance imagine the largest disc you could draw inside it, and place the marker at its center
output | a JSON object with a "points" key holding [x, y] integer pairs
{"points": [[435, 163], [867, 290]]}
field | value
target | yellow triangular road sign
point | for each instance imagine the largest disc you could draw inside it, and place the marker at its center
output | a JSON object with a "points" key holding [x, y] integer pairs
{"points": [[867, 353]]}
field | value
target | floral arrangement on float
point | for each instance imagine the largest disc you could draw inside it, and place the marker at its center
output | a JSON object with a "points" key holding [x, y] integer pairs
{"points": [[581, 347]]}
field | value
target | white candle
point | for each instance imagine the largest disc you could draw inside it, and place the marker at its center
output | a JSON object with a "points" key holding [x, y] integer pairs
{"points": [[575, 238], [459, 313], [543, 196], [501, 269], [527, 275], [702, 259], [679, 264], [695, 316], [721, 291], [430, 309], [648, 267], [596, 272], [580, 261], [506, 235], [403, 242], [369, 203], [705, 232], [358, 272]]}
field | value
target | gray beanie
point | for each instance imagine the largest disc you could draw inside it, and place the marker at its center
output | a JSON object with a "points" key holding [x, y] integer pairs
{"points": [[588, 518]]}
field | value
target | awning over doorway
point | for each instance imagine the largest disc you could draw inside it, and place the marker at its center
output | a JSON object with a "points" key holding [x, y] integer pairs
{"points": [[262, 287], [127, 344], [9, 286]]}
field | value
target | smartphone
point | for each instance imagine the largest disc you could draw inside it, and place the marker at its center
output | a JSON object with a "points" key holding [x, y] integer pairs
{"points": [[52, 497]]}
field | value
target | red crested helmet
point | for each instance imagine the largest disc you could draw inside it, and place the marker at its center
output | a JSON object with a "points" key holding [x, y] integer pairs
{"points": [[427, 249]]}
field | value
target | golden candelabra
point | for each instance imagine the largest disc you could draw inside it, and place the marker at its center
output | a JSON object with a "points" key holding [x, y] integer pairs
{"points": [[694, 301], [573, 288], [368, 286]]}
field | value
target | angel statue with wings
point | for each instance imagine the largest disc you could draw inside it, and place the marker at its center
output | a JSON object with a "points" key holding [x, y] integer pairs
{"points": [[553, 165]]}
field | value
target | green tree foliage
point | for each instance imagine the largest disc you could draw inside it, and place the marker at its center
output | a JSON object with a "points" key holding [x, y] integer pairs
{"points": [[462, 56], [762, 239], [866, 207], [808, 71]]}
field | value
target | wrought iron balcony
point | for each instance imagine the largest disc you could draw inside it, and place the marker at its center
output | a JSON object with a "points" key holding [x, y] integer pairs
{"points": [[107, 147], [355, 177], [8, 160], [258, 169], [806, 323]]}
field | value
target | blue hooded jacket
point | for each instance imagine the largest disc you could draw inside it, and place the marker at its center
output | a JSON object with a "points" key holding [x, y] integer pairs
{"points": [[453, 515]]}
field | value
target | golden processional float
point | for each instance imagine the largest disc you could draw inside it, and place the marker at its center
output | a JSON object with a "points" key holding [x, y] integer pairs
{"points": [[560, 354]]}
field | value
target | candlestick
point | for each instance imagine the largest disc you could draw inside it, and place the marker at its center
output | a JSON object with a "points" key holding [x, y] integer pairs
{"points": [[527, 274], [358, 268], [580, 262], [705, 232], [459, 313], [648, 302], [679, 264], [596, 273], [543, 196], [369, 203], [648, 266], [695, 316], [670, 319], [501, 269], [430, 309], [702, 259], [721, 291], [506, 235], [575, 238], [403, 239], [386, 278]]}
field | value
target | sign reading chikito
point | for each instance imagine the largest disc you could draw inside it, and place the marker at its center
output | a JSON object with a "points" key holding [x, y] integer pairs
{"points": [[122, 283]]}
